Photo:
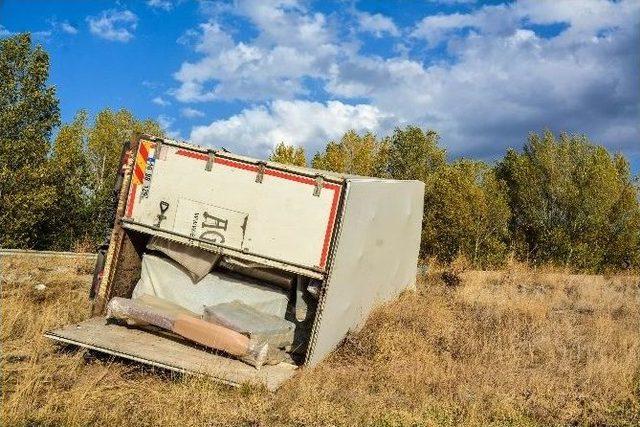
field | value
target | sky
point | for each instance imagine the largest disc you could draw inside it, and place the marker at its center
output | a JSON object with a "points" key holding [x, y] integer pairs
{"points": [[248, 74]]}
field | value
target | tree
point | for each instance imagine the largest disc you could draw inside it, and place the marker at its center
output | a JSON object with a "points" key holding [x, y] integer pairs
{"points": [[68, 166], [466, 213], [572, 203], [414, 153], [354, 154], [332, 159], [288, 155], [104, 145], [622, 233], [28, 114]]}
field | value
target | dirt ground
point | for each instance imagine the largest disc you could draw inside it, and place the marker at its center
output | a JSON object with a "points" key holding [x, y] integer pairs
{"points": [[502, 348]]}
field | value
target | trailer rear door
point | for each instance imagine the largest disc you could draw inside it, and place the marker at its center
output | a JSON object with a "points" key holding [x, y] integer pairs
{"points": [[254, 209]]}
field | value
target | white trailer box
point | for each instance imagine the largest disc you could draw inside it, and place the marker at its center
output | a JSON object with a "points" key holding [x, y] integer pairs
{"points": [[357, 238]]}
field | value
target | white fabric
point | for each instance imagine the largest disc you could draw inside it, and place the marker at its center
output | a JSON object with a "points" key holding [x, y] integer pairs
{"points": [[166, 279], [197, 261]]}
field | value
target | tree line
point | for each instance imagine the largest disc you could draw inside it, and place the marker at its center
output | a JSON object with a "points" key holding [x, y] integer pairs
{"points": [[561, 199], [55, 192]]}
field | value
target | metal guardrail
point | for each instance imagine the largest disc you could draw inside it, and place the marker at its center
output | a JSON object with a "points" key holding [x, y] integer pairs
{"points": [[4, 252]]}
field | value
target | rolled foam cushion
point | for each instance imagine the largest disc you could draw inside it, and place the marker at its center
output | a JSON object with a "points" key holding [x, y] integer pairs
{"points": [[211, 335]]}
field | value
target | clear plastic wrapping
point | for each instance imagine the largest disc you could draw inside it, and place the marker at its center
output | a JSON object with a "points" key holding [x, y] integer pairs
{"points": [[135, 313], [247, 320], [254, 350]]}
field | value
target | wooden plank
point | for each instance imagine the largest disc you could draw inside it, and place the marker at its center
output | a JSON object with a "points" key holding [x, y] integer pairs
{"points": [[104, 291], [168, 353]]}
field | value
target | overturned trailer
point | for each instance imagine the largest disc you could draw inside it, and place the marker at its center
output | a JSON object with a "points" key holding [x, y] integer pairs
{"points": [[315, 248]]}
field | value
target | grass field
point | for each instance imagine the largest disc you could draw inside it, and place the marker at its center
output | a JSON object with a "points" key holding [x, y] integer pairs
{"points": [[503, 348]]}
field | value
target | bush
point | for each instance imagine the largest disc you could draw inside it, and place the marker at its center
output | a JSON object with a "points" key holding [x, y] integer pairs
{"points": [[572, 203], [466, 213]]}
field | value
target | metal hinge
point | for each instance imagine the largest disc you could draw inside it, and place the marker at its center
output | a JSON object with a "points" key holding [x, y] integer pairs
{"points": [[260, 175], [319, 184], [158, 142], [210, 161]]}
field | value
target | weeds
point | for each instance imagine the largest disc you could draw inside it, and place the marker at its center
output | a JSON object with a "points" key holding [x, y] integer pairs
{"points": [[501, 348]]}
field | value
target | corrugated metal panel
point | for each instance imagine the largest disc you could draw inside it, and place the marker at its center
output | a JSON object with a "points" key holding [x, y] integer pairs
{"points": [[375, 257]]}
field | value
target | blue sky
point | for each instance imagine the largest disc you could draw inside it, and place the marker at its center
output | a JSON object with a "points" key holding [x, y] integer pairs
{"points": [[249, 74]]}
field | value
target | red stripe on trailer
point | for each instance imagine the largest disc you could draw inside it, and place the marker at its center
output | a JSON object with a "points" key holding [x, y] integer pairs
{"points": [[192, 154], [330, 224], [131, 200], [253, 168], [296, 178], [236, 165]]}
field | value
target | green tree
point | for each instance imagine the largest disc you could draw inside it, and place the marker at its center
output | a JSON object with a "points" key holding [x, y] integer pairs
{"points": [[288, 155], [466, 213], [104, 145], [68, 166], [414, 153], [354, 154], [332, 159], [622, 233], [572, 203], [28, 114]]}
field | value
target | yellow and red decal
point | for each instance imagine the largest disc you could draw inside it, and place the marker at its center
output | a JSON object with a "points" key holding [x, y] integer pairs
{"points": [[142, 170], [146, 153]]}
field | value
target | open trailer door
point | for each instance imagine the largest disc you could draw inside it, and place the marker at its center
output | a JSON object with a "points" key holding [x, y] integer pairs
{"points": [[166, 351]]}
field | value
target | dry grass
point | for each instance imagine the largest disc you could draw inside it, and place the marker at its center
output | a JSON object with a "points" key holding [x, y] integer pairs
{"points": [[503, 348]]}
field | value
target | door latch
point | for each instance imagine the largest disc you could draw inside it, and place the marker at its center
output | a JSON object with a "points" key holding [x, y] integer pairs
{"points": [[319, 184], [210, 161], [164, 206], [260, 175]]}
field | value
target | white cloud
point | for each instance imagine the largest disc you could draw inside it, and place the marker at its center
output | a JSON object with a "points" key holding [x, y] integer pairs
{"points": [[150, 84], [191, 113], [66, 27], [496, 20], [42, 35], [286, 23], [257, 130], [435, 28], [291, 46], [377, 24], [504, 79], [167, 122], [166, 5], [5, 33], [114, 25], [158, 100], [506, 70], [39, 35]]}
